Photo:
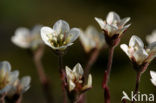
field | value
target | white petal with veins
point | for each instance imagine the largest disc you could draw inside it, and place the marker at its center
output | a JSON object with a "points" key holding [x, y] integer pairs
{"points": [[61, 27]]}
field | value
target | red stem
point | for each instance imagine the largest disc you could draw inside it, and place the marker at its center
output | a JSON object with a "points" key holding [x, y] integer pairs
{"points": [[62, 75], [42, 76], [90, 62], [107, 75], [2, 98], [138, 77], [137, 84], [19, 100]]}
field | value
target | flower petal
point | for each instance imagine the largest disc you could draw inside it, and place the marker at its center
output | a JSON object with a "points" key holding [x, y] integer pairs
{"points": [[100, 22], [121, 30], [87, 42], [152, 47], [112, 18], [78, 70], [5, 65], [45, 32], [13, 76], [73, 34], [110, 29], [25, 83], [71, 85], [36, 30], [140, 56], [61, 27], [69, 74], [125, 48], [153, 82], [89, 84], [62, 47], [136, 41], [22, 37], [153, 74], [123, 21], [151, 38]]}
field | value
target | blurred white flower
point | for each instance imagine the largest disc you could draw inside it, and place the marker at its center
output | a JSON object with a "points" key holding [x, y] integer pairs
{"points": [[91, 39], [153, 77], [151, 38], [25, 38], [60, 36], [7, 78], [75, 79], [113, 25], [20, 86], [136, 51]]}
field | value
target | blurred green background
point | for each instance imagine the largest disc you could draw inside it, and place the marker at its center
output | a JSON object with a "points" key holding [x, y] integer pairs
{"points": [[78, 13]]}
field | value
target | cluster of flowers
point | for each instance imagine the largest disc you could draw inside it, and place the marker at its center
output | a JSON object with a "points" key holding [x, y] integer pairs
{"points": [[60, 37], [11, 87]]}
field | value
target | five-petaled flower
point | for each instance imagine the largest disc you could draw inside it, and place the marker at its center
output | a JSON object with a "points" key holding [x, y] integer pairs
{"points": [[113, 27], [91, 39], [7, 78], [153, 77], [60, 36], [25, 38], [137, 53], [75, 79], [151, 38]]}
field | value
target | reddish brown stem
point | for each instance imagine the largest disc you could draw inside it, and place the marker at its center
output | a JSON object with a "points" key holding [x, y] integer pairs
{"points": [[107, 75], [124, 101], [19, 100], [91, 61], [62, 75], [42, 76], [2, 98], [137, 84], [89, 64], [138, 77]]}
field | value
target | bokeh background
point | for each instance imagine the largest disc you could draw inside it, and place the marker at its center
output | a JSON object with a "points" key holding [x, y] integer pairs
{"points": [[78, 13]]}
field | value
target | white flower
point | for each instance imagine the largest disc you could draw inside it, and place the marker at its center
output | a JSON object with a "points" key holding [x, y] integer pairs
{"points": [[60, 36], [75, 79], [151, 38], [20, 86], [136, 51], [7, 78], [153, 79], [25, 38], [91, 39], [113, 25]]}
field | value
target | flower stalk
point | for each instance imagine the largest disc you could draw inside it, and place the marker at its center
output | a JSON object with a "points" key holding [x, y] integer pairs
{"points": [[91, 61], [42, 76], [62, 75], [107, 75], [19, 100], [138, 77], [2, 98]]}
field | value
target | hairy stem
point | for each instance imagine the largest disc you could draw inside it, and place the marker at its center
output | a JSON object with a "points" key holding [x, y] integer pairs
{"points": [[62, 75], [107, 75], [42, 76]]}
